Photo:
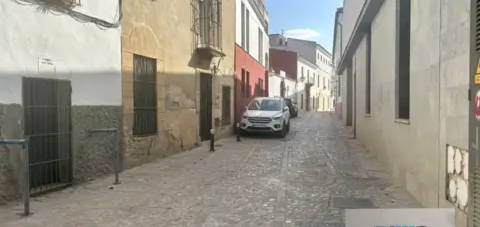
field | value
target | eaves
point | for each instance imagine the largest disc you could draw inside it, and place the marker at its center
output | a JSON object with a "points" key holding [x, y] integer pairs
{"points": [[369, 11]]}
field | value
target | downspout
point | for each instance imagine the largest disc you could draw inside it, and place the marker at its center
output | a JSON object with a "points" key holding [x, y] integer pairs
{"points": [[439, 104]]}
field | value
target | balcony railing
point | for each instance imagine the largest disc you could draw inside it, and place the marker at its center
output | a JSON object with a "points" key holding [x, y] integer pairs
{"points": [[207, 24]]}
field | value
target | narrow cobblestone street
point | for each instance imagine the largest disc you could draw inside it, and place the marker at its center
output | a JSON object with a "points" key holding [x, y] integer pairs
{"points": [[306, 179]]}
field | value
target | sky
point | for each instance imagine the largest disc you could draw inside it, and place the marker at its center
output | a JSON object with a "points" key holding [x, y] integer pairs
{"points": [[304, 19]]}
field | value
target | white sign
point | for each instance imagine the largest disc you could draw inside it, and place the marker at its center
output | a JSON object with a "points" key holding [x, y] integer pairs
{"points": [[400, 218]]}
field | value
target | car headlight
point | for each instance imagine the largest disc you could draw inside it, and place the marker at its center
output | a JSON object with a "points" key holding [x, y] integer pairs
{"points": [[277, 118]]}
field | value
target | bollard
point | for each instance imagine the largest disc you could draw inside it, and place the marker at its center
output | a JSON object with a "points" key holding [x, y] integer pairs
{"points": [[116, 150], [212, 140], [238, 132], [116, 156], [26, 193]]}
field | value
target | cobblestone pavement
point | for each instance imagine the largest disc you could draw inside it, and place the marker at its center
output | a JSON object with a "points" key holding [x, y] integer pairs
{"points": [[306, 179]]}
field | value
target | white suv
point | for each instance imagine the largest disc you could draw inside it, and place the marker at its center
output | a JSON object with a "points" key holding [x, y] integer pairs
{"points": [[266, 115]]}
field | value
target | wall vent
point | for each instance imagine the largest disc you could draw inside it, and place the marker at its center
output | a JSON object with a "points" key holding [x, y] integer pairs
{"points": [[477, 25], [476, 198]]}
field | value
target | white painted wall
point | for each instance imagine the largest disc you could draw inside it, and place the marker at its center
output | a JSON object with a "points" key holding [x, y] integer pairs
{"points": [[80, 52], [274, 82], [253, 32], [351, 11], [307, 67], [338, 42]]}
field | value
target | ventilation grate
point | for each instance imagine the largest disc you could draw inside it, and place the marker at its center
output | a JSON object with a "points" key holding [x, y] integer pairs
{"points": [[477, 25], [476, 198]]}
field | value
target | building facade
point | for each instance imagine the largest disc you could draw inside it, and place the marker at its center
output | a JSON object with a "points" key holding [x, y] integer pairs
{"points": [[403, 69], [315, 85], [53, 96], [251, 53], [177, 75], [281, 85], [282, 80], [337, 54]]}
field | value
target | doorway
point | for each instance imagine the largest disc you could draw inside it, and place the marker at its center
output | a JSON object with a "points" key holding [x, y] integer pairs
{"points": [[205, 106], [48, 125]]}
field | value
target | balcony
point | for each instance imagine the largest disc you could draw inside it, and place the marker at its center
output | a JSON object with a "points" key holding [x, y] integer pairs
{"points": [[207, 27]]}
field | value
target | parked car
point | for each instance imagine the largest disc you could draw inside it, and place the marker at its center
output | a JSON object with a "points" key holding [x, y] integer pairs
{"points": [[266, 115], [293, 108]]}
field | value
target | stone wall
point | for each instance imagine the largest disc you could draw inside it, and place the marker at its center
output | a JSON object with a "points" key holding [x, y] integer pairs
{"points": [[92, 153], [11, 127], [457, 177]]}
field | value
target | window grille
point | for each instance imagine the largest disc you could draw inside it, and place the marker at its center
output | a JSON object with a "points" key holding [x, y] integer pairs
{"points": [[207, 23], [145, 95]]}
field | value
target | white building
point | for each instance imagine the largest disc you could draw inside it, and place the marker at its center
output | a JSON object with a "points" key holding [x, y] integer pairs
{"points": [[404, 72], [60, 76], [307, 96], [281, 85], [317, 63]]}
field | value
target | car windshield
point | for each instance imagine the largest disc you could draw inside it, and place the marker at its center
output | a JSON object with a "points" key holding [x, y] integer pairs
{"points": [[265, 105]]}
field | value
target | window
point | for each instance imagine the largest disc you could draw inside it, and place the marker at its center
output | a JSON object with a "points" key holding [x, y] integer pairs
{"points": [[243, 83], [318, 80], [403, 60], [266, 105], [208, 22], [368, 73], [145, 95], [324, 84], [226, 105], [248, 85], [243, 25], [260, 45], [248, 30]]}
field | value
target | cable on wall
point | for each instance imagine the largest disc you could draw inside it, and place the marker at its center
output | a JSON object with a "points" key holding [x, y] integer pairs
{"points": [[58, 7]]}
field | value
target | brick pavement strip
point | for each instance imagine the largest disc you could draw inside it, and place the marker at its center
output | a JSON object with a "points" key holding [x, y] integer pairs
{"points": [[306, 179]]}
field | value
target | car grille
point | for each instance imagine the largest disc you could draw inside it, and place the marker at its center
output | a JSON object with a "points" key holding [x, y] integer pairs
{"points": [[263, 120]]}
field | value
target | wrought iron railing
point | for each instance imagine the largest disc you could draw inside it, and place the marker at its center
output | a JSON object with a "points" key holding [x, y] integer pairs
{"points": [[207, 23]]}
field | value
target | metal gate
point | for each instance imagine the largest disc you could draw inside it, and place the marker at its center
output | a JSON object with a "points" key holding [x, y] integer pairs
{"points": [[47, 113], [205, 106]]}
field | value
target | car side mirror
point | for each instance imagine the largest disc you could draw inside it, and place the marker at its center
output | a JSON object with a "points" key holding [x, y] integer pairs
{"points": [[285, 109]]}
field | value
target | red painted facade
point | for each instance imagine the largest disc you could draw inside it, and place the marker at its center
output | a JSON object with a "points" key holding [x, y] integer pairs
{"points": [[250, 80], [284, 60]]}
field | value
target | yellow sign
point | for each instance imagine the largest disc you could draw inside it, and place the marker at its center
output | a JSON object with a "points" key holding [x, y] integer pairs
{"points": [[477, 75], [478, 67]]}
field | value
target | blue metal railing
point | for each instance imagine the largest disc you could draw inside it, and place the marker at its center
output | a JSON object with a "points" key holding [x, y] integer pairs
{"points": [[26, 170]]}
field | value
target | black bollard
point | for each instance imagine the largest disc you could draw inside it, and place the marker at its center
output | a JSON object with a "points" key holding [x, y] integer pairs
{"points": [[238, 132], [212, 140]]}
